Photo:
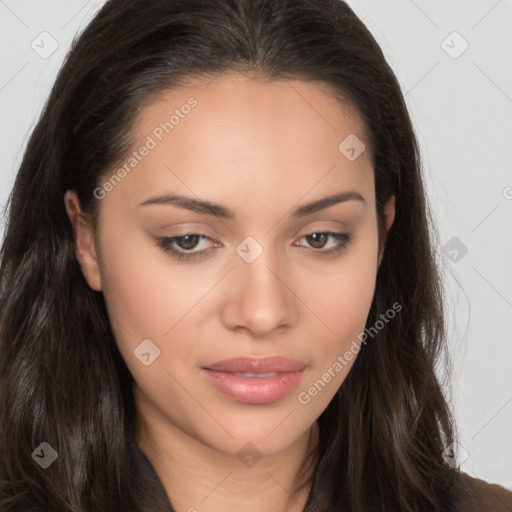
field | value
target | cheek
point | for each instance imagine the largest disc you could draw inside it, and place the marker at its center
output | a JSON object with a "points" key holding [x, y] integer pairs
{"points": [[144, 290], [342, 293], [342, 300], [150, 297], [141, 308]]}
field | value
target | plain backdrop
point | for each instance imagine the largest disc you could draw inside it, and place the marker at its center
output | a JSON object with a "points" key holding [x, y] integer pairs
{"points": [[453, 62]]}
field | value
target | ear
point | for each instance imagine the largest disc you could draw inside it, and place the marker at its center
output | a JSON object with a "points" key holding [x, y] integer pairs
{"points": [[85, 245], [389, 217]]}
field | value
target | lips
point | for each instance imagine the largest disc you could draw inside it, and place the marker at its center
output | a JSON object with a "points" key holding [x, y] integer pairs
{"points": [[255, 381], [257, 366]]}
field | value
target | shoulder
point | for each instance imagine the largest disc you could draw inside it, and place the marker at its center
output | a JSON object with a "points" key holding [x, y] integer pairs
{"points": [[474, 495]]}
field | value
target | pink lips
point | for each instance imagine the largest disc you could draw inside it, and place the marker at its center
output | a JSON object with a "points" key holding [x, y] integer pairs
{"points": [[255, 381]]}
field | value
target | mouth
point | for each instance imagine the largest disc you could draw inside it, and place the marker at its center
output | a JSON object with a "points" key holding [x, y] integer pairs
{"points": [[255, 381]]}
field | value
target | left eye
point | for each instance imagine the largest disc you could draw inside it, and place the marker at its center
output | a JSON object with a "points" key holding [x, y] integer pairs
{"points": [[318, 240], [182, 247]]}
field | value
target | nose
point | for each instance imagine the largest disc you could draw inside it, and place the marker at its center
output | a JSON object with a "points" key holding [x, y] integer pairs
{"points": [[260, 297]]}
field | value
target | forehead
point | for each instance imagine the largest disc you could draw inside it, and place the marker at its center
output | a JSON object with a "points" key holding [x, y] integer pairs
{"points": [[243, 134], [233, 100]]}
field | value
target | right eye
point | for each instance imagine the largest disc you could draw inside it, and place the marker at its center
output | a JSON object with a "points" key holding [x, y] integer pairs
{"points": [[181, 246]]}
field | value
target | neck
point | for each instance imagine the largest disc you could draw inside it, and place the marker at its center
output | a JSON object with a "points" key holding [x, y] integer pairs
{"points": [[198, 478]]}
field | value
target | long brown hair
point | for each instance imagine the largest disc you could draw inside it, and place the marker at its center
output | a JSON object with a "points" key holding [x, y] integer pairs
{"points": [[62, 379]]}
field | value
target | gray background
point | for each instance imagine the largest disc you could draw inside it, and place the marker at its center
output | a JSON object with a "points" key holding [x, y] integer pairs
{"points": [[461, 104]]}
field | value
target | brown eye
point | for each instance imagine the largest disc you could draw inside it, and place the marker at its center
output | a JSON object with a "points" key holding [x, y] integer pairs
{"points": [[187, 242], [182, 247], [317, 240]]}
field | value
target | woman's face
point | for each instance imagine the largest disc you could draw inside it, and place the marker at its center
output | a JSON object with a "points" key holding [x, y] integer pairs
{"points": [[254, 281]]}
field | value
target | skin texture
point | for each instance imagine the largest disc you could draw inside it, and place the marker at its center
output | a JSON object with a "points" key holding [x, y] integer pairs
{"points": [[260, 149]]}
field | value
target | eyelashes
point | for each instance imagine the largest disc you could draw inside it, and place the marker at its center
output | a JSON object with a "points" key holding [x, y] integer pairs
{"points": [[170, 245]]}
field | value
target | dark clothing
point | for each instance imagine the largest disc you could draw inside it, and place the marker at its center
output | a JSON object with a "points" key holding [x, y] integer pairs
{"points": [[475, 495]]}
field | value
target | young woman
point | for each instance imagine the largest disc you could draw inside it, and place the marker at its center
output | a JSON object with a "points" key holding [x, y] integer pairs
{"points": [[218, 283]]}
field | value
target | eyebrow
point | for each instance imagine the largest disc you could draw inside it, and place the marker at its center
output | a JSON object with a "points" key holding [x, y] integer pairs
{"points": [[216, 210]]}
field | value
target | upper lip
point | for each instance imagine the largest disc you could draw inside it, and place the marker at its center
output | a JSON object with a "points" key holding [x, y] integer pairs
{"points": [[257, 365]]}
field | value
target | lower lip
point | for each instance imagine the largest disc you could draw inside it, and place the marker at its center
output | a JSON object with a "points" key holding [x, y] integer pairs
{"points": [[254, 390]]}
